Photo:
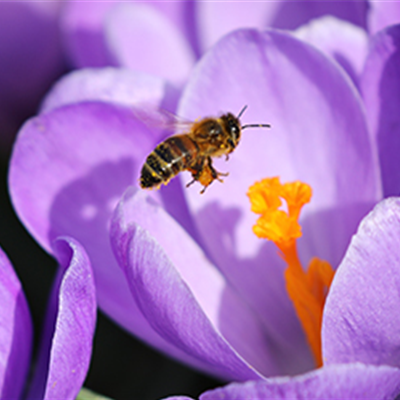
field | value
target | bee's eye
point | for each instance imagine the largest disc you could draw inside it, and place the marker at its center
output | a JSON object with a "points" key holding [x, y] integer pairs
{"points": [[234, 131]]}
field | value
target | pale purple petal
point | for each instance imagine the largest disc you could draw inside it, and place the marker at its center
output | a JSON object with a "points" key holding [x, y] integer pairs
{"points": [[15, 332], [138, 36], [351, 381], [69, 168], [217, 18], [142, 38], [361, 317], [346, 43], [66, 345], [292, 14], [183, 296], [183, 15], [380, 85], [83, 29], [117, 85], [95, 151], [382, 14], [318, 135]]}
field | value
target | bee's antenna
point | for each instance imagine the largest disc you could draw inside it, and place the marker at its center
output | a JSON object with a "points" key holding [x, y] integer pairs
{"points": [[251, 125], [241, 112], [256, 126]]}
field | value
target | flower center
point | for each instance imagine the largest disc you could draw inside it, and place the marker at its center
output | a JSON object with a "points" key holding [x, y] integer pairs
{"points": [[306, 289]]}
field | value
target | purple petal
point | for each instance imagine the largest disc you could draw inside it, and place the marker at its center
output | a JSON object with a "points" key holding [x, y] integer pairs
{"points": [[31, 58], [361, 318], [382, 14], [182, 295], [346, 43], [277, 14], [16, 332], [94, 150], [142, 38], [381, 91], [82, 24], [117, 85], [236, 15], [351, 381], [183, 15], [312, 108], [30, 49], [293, 14], [66, 345], [69, 168]]}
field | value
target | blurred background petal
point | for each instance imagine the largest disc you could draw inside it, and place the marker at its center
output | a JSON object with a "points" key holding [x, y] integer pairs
{"points": [[15, 332], [380, 83]]}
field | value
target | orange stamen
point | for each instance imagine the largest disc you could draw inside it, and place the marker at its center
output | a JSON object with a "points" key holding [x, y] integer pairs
{"points": [[307, 290], [264, 195]]}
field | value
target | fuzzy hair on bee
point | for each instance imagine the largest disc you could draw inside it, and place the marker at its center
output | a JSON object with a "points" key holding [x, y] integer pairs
{"points": [[193, 151]]}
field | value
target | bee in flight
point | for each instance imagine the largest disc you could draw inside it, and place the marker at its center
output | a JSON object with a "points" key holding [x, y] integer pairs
{"points": [[193, 151]]}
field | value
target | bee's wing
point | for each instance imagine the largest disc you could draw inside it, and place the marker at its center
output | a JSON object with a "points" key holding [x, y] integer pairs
{"points": [[162, 119]]}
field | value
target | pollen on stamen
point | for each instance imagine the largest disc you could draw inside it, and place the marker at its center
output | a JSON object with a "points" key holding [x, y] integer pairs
{"points": [[307, 290], [277, 226], [264, 195], [296, 195]]}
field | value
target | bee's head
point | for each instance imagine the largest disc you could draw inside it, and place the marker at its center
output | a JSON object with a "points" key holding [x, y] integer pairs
{"points": [[232, 127]]}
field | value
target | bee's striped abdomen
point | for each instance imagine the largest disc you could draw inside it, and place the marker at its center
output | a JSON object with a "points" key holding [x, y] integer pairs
{"points": [[167, 160]]}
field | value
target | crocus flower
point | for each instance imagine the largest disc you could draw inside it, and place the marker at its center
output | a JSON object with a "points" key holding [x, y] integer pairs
{"points": [[184, 271], [66, 344]]}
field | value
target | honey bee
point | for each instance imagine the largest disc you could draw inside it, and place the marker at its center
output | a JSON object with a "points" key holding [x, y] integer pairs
{"points": [[193, 151]]}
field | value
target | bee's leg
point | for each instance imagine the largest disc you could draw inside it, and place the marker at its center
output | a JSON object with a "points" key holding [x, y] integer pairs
{"points": [[204, 189], [221, 174], [196, 170], [191, 182], [208, 175], [205, 174], [214, 173]]}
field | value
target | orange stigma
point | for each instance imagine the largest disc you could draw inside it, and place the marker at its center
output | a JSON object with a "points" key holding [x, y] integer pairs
{"points": [[306, 289]]}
